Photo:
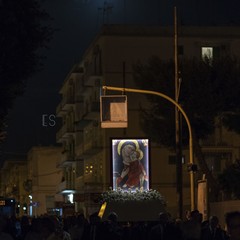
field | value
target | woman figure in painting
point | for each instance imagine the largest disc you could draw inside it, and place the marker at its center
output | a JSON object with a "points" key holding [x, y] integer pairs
{"points": [[133, 173], [126, 152]]}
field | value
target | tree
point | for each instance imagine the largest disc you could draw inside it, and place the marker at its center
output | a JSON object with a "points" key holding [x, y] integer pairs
{"points": [[209, 90], [229, 181], [24, 30]]}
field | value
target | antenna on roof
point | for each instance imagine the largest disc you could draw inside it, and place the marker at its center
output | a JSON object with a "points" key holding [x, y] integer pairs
{"points": [[106, 10], [124, 12]]}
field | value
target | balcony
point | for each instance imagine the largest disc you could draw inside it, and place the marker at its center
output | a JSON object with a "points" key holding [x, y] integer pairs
{"points": [[79, 99], [95, 111], [64, 133], [59, 111], [79, 111], [93, 75], [79, 126], [65, 188], [66, 160], [61, 186], [67, 102]]}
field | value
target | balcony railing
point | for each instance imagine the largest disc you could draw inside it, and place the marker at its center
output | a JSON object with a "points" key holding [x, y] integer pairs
{"points": [[80, 125], [79, 111], [64, 132], [59, 111], [66, 103], [61, 186], [79, 98], [65, 160], [93, 73]]}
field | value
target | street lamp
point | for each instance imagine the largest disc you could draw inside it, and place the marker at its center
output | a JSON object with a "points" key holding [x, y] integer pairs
{"points": [[187, 121]]}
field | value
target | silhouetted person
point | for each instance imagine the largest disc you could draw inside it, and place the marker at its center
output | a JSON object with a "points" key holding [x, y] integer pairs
{"points": [[111, 229], [35, 230], [59, 231], [191, 228], [232, 220], [165, 229], [3, 234], [25, 226], [138, 231], [79, 230], [48, 229], [95, 227], [213, 231]]}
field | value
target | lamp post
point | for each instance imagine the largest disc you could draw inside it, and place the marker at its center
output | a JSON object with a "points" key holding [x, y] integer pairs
{"points": [[177, 123], [187, 121]]}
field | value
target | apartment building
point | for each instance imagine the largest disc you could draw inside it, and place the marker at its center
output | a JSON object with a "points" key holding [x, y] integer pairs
{"points": [[41, 180], [13, 175], [86, 147]]}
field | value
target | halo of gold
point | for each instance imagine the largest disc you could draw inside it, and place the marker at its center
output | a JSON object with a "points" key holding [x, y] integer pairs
{"points": [[141, 154], [123, 141]]}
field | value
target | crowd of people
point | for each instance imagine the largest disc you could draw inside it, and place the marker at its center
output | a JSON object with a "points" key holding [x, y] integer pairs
{"points": [[77, 227]]}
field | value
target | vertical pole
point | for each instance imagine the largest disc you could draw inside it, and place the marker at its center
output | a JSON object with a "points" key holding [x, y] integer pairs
{"points": [[124, 92], [124, 12], [177, 128], [124, 76]]}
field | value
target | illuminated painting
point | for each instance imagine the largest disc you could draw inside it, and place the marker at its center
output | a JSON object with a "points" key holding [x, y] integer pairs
{"points": [[130, 164]]}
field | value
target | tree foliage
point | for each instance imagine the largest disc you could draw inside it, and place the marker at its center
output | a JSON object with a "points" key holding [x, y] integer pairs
{"points": [[208, 90], [229, 180], [24, 30]]}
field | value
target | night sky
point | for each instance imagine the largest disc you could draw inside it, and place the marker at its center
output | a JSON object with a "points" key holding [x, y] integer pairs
{"points": [[77, 22]]}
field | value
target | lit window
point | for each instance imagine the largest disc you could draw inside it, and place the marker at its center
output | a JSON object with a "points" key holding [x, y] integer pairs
{"points": [[207, 53]]}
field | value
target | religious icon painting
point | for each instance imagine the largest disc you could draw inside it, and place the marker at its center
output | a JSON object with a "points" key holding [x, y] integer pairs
{"points": [[130, 164]]}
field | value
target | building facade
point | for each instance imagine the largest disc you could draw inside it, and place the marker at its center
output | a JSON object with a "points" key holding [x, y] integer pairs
{"points": [[42, 178], [13, 175], [86, 155]]}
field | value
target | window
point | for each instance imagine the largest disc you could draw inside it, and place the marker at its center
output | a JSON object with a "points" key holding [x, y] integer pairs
{"points": [[207, 53], [210, 53]]}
